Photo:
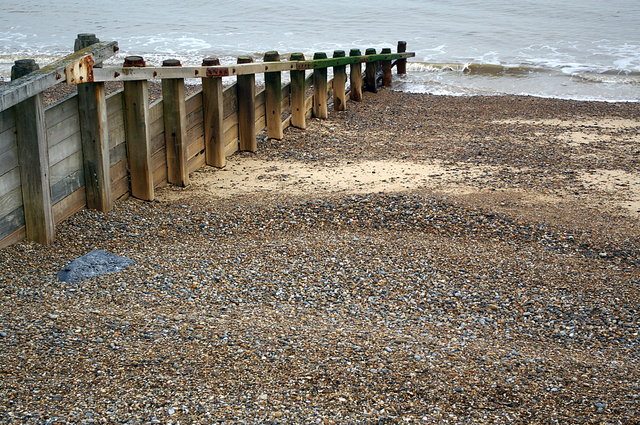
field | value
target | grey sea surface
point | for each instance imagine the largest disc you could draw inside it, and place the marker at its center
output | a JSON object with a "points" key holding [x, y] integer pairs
{"points": [[588, 50]]}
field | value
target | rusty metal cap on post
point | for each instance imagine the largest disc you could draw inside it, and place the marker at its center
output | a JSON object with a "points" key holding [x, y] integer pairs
{"points": [[355, 52], [134, 62], [210, 62], [171, 62], [245, 59]]}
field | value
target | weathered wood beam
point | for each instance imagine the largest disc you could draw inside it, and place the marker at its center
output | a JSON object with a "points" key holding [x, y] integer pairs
{"points": [[401, 63], [320, 109], [147, 73], [212, 103], [21, 89], [339, 83], [136, 107], [273, 98], [246, 89], [370, 73], [174, 113], [298, 88], [33, 158], [94, 133], [386, 70], [355, 77]]}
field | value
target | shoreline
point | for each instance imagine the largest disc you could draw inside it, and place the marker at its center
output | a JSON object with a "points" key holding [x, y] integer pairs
{"points": [[415, 259]]}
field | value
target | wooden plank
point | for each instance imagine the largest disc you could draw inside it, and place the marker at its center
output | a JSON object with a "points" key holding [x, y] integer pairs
{"points": [[230, 100], [118, 171], [94, 131], [67, 186], [119, 188], [63, 130], [7, 139], [246, 89], [155, 110], [196, 147], [8, 160], [117, 154], [34, 169], [70, 205], [9, 224], [14, 237], [175, 134], [64, 168], [116, 133], [64, 149], [196, 162], [213, 121], [229, 122], [61, 111], [9, 181], [194, 102], [231, 134], [308, 107], [157, 143], [30, 85], [6, 120], [10, 201], [298, 88], [160, 169], [195, 119], [137, 112], [114, 103], [261, 124]]}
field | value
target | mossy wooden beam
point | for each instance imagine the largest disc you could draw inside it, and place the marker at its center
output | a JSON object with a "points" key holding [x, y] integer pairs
{"points": [[212, 102], [273, 98], [246, 90], [339, 83], [298, 88], [320, 109]]}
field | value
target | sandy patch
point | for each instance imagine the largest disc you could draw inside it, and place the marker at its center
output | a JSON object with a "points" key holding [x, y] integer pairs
{"points": [[605, 123], [622, 188], [252, 175]]}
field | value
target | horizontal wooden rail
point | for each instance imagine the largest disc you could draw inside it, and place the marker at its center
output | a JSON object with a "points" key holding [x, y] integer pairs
{"points": [[146, 73], [23, 88]]}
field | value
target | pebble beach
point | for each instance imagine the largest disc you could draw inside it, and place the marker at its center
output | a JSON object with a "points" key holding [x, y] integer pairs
{"points": [[415, 259]]}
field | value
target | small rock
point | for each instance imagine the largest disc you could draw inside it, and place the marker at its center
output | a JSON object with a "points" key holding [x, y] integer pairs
{"points": [[93, 264]]}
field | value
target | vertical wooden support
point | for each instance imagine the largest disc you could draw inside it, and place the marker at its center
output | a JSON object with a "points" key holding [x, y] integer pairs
{"points": [[33, 158], [320, 109], [401, 64], [136, 106], [174, 113], [212, 101], [370, 73], [246, 88], [94, 133], [273, 98], [339, 83], [297, 94], [355, 77], [386, 69]]}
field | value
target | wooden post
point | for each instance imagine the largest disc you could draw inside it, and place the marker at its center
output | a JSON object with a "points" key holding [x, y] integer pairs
{"points": [[370, 73], [136, 106], [174, 114], [273, 98], [94, 133], [320, 109], [297, 94], [246, 89], [386, 69], [339, 83], [33, 158], [401, 64], [355, 77], [212, 102]]}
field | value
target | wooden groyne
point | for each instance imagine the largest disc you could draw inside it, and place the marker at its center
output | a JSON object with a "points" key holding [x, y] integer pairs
{"points": [[90, 149]]}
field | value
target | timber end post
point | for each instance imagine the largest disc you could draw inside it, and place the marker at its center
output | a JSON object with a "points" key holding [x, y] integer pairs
{"points": [[212, 102], [246, 90]]}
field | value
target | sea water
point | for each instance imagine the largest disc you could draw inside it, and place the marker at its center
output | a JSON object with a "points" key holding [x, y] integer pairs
{"points": [[587, 49]]}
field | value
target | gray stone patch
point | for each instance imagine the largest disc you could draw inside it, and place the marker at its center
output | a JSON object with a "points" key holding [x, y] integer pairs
{"points": [[93, 264]]}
